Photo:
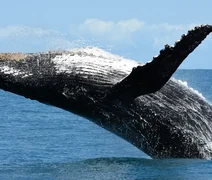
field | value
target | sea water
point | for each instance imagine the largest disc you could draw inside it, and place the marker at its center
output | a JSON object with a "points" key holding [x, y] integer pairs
{"points": [[43, 142]]}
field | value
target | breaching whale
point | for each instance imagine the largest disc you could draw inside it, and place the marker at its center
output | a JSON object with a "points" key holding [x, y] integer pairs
{"points": [[139, 103]]}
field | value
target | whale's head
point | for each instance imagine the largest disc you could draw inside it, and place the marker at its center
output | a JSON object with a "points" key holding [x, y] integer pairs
{"points": [[73, 80]]}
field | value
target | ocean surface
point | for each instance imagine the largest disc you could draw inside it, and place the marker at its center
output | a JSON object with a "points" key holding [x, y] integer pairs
{"points": [[43, 142]]}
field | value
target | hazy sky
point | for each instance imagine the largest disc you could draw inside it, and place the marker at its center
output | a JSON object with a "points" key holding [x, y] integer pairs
{"points": [[135, 29]]}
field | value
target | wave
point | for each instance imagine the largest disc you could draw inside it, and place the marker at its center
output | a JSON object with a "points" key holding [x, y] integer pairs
{"points": [[110, 168]]}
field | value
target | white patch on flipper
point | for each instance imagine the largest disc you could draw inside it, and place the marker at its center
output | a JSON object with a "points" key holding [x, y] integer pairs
{"points": [[91, 56]]}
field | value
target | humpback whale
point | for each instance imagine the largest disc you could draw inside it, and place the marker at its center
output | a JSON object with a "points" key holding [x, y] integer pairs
{"points": [[140, 103]]}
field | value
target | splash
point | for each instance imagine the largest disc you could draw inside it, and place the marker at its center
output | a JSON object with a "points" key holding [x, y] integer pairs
{"points": [[185, 84]]}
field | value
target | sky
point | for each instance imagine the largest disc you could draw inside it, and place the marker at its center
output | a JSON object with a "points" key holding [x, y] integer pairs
{"points": [[134, 29]]}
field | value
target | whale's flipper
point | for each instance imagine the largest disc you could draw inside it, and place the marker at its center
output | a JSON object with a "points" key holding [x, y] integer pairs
{"points": [[153, 76]]}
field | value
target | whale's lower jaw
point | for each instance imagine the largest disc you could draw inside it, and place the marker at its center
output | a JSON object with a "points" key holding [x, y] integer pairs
{"points": [[165, 120]]}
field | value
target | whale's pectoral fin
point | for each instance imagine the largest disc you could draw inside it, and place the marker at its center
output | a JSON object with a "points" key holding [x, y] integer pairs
{"points": [[153, 76]]}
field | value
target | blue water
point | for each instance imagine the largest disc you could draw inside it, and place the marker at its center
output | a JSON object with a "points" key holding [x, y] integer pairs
{"points": [[44, 142]]}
